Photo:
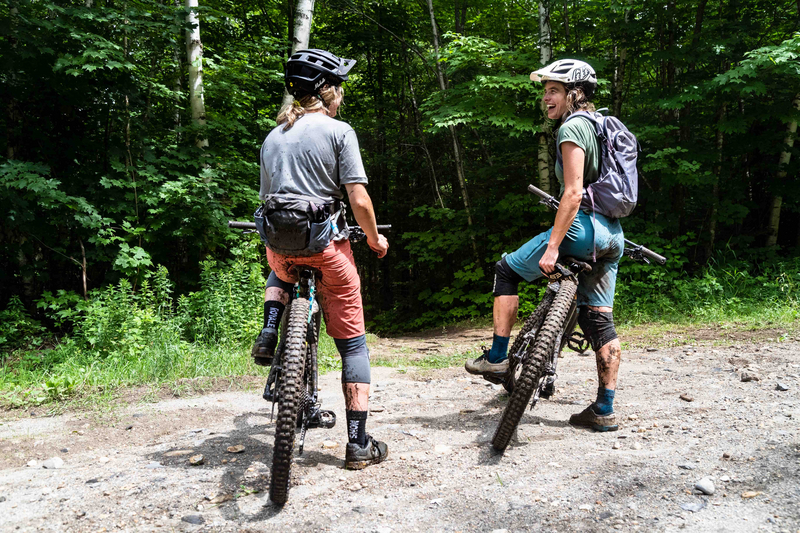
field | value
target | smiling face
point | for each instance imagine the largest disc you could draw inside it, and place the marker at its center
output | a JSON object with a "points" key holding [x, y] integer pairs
{"points": [[555, 99]]}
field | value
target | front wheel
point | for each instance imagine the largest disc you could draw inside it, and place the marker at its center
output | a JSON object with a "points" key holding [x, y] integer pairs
{"points": [[533, 366], [290, 396], [523, 340]]}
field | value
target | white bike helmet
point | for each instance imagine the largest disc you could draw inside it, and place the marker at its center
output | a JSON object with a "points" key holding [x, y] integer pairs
{"points": [[571, 72]]}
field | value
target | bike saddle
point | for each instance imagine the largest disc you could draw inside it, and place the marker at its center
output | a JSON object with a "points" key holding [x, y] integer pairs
{"points": [[301, 271], [567, 267]]}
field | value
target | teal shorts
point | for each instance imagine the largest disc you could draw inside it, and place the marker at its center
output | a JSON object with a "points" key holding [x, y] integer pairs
{"points": [[595, 288]]}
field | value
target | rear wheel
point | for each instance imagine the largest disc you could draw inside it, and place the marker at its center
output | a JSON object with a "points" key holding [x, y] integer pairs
{"points": [[533, 365], [289, 401]]}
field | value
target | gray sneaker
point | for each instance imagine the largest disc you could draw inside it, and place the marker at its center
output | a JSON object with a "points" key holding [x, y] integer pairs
{"points": [[481, 366], [357, 457], [589, 419]]}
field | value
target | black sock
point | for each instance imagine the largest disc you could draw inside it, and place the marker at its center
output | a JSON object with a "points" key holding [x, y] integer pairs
{"points": [[273, 310], [357, 426]]}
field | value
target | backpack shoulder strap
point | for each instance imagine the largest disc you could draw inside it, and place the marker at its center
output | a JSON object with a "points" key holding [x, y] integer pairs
{"points": [[597, 119]]}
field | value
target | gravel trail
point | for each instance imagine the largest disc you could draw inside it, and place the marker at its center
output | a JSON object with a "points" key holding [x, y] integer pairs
{"points": [[686, 418]]}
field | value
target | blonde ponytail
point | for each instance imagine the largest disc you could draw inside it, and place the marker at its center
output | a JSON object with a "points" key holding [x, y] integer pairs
{"points": [[310, 103]]}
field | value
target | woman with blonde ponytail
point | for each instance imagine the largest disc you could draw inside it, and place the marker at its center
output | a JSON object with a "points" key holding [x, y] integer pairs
{"points": [[305, 160]]}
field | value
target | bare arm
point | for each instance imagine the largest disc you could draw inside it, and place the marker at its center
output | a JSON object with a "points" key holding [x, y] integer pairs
{"points": [[573, 157], [361, 204]]}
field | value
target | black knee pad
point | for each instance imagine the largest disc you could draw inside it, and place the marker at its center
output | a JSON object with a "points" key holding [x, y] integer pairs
{"points": [[355, 359], [506, 281], [597, 326], [274, 281]]}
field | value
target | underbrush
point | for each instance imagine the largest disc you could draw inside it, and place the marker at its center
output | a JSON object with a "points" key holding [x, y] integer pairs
{"points": [[126, 336], [132, 334]]}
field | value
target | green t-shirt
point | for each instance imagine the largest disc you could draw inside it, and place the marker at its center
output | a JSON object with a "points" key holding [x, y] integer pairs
{"points": [[581, 132]]}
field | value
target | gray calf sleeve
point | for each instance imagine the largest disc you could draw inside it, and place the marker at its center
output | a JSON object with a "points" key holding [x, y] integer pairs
{"points": [[275, 281], [355, 359]]}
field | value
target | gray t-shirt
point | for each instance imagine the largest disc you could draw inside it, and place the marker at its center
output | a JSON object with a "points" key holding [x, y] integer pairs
{"points": [[314, 158]]}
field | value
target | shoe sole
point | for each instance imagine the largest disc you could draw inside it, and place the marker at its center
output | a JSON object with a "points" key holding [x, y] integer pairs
{"points": [[499, 373], [358, 465]]}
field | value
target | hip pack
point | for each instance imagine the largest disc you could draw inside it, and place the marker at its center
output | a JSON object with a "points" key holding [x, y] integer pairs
{"points": [[292, 224], [616, 190]]}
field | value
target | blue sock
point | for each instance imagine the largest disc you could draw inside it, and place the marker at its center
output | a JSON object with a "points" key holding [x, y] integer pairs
{"points": [[499, 351], [604, 405]]}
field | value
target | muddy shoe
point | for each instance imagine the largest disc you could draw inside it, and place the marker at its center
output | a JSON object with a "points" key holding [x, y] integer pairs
{"points": [[264, 347], [357, 457], [481, 366], [589, 419]]}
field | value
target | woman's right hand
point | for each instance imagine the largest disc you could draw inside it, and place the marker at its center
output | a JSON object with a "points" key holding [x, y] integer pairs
{"points": [[381, 247]]}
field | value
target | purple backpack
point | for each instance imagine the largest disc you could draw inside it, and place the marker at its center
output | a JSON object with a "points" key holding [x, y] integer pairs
{"points": [[616, 190]]}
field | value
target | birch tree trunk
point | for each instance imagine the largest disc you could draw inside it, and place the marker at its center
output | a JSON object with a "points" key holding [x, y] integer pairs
{"points": [[546, 50], [456, 153], [194, 52], [178, 84], [786, 155], [303, 17]]}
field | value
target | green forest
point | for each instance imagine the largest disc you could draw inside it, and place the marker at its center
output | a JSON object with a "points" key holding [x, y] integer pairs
{"points": [[116, 263]]}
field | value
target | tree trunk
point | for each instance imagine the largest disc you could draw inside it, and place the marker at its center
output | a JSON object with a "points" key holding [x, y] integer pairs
{"points": [[178, 84], [712, 224], [417, 119], [566, 26], [11, 106], [301, 34], [546, 51], [786, 155], [194, 51], [620, 63], [456, 153]]}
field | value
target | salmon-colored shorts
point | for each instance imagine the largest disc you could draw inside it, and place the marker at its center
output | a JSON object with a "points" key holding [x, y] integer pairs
{"points": [[339, 286]]}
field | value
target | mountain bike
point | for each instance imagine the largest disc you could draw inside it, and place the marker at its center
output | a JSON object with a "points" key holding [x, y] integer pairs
{"points": [[292, 383], [534, 354]]}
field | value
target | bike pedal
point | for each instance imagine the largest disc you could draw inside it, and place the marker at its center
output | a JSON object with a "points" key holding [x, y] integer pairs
{"points": [[322, 419], [497, 379], [269, 394]]}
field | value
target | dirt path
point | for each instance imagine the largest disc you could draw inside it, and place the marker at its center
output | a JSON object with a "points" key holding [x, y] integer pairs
{"points": [[129, 471]]}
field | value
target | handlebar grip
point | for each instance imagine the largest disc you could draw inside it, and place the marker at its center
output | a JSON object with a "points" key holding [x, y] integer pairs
{"points": [[650, 254], [537, 191], [235, 224]]}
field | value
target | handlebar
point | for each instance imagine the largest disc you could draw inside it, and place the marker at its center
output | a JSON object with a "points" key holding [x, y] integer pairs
{"points": [[637, 252], [237, 224], [356, 233]]}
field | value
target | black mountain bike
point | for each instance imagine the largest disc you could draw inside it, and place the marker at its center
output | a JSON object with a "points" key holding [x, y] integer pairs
{"points": [[533, 357], [293, 378]]}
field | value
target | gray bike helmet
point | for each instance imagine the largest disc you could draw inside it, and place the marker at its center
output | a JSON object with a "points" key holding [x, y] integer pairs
{"points": [[571, 72], [309, 70]]}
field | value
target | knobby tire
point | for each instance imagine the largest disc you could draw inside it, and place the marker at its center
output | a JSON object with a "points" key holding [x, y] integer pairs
{"points": [[532, 323], [533, 365], [290, 398]]}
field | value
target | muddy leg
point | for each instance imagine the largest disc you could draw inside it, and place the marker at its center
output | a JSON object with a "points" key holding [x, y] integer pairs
{"points": [[356, 396], [608, 359]]}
